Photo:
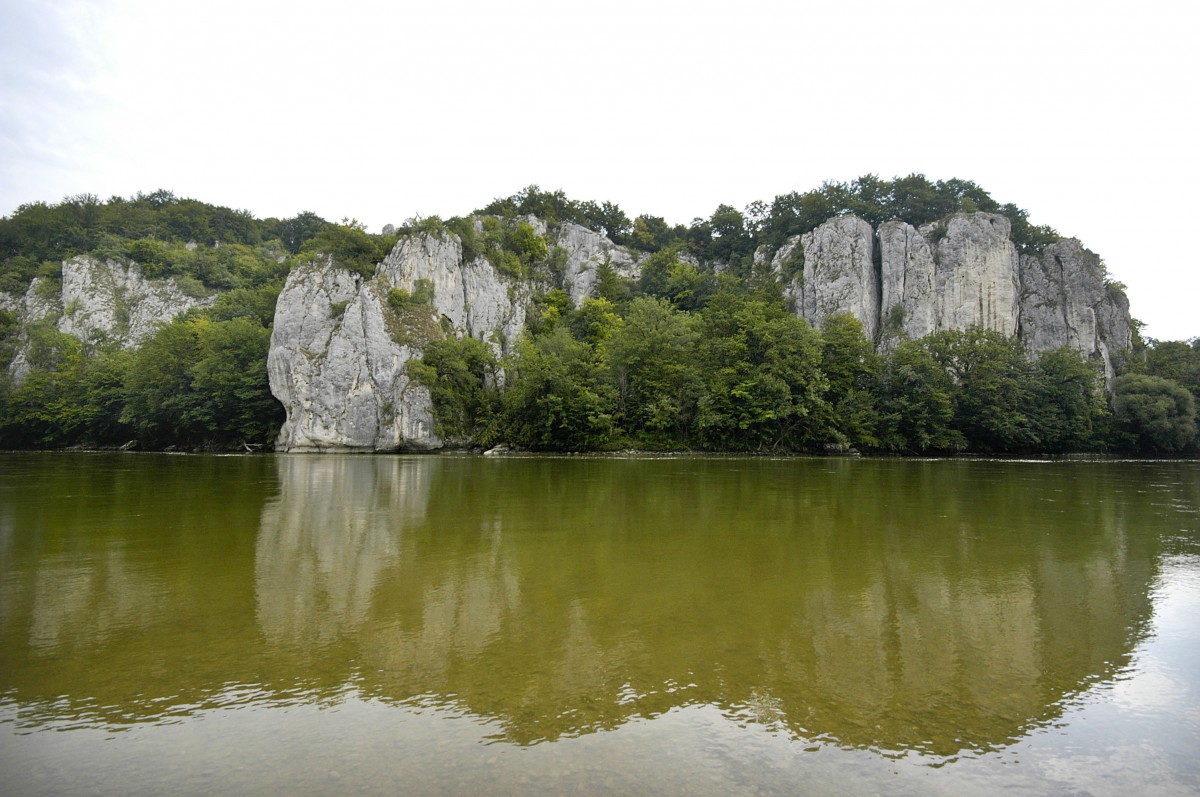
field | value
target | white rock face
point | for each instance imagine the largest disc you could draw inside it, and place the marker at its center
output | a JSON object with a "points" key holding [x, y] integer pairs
{"points": [[342, 377], [338, 372], [781, 267], [909, 304], [977, 279], [956, 273], [476, 299], [1064, 302], [100, 301], [586, 251], [111, 301], [839, 273]]}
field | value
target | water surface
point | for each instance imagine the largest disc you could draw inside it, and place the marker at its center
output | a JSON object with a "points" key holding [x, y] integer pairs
{"points": [[441, 625]]}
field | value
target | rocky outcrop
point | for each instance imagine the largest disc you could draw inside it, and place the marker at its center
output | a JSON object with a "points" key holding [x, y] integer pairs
{"points": [[1065, 302], [115, 302], [475, 299], [337, 364], [959, 272], [956, 273], [839, 273], [101, 301], [976, 272], [584, 252]]}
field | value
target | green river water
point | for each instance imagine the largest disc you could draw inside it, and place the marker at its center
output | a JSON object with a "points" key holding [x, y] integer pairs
{"points": [[312, 625]]}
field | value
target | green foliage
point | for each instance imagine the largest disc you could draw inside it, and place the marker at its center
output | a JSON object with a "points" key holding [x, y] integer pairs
{"points": [[548, 311], [763, 383], [350, 246], [852, 369], [462, 377], [1154, 415], [665, 275], [410, 317], [594, 321], [422, 293], [914, 199], [512, 246], [40, 232], [610, 285], [993, 380], [916, 403], [293, 233], [1176, 360], [1069, 407], [651, 233], [556, 399], [201, 382], [652, 364], [554, 207], [257, 303]]}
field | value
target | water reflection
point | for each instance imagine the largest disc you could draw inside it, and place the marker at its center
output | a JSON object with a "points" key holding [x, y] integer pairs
{"points": [[335, 526], [931, 606], [927, 606]]}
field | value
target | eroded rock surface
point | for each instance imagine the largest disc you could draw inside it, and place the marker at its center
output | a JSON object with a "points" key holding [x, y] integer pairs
{"points": [[839, 273], [101, 301], [1065, 302], [112, 301], [976, 272], [337, 365], [959, 272], [909, 305], [339, 370]]}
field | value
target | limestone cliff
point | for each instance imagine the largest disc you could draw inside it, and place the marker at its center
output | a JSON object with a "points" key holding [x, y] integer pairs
{"points": [[100, 301], [338, 366], [909, 300], [1065, 302], [839, 272], [977, 280], [585, 251], [955, 273], [115, 301]]}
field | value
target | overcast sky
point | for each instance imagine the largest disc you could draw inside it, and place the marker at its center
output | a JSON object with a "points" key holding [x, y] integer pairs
{"points": [[1084, 113]]}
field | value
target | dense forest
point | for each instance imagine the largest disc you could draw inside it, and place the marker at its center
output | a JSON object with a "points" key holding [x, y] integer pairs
{"points": [[699, 353]]}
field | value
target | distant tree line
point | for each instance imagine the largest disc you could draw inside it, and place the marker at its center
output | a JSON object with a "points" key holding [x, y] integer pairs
{"points": [[686, 357]]}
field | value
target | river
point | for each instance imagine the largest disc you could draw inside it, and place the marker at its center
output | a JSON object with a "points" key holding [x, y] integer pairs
{"points": [[184, 624]]}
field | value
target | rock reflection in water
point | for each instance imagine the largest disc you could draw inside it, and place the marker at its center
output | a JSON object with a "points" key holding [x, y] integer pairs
{"points": [[932, 606], [336, 525]]}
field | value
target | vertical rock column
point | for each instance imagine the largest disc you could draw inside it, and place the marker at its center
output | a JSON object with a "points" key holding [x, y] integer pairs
{"points": [[839, 273], [976, 272], [909, 301]]}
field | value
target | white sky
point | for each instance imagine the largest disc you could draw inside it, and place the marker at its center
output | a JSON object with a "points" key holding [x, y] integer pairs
{"points": [[1084, 113]]}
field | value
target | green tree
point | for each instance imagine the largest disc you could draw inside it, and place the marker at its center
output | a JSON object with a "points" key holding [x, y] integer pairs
{"points": [[1175, 360], [993, 397], [462, 377], [555, 397], [1069, 403], [652, 365], [232, 401], [764, 384], [916, 403], [160, 400], [1154, 415], [350, 246], [852, 369]]}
